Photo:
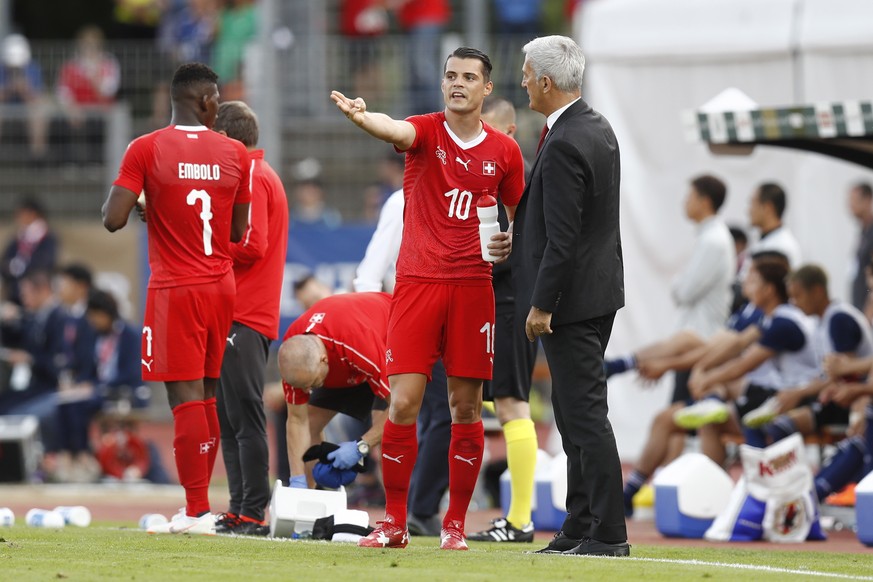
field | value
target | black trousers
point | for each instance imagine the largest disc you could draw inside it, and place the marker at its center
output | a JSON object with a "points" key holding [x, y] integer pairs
{"points": [[594, 485], [430, 477], [240, 400]]}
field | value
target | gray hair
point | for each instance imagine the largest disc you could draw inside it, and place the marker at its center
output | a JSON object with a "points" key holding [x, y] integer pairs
{"points": [[559, 58]]}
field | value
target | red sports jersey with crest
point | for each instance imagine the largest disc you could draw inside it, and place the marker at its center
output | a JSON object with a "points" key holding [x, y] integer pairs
{"points": [[259, 258], [353, 327], [443, 181], [192, 177]]}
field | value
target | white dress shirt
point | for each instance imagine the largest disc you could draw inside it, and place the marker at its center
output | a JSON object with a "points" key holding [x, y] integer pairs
{"points": [[376, 270], [702, 291]]}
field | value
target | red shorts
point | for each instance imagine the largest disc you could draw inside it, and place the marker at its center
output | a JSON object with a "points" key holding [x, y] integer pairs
{"points": [[454, 321], [185, 330]]}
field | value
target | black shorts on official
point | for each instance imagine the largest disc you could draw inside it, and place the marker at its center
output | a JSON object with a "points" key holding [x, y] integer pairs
{"points": [[357, 401], [514, 358]]}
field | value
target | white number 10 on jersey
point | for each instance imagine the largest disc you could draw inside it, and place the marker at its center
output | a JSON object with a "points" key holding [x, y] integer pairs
{"points": [[205, 216], [460, 203]]}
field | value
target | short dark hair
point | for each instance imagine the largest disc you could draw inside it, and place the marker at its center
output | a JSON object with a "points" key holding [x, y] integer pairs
{"points": [[103, 302], [190, 75], [466, 52], [865, 189], [302, 282], [32, 205], [78, 273], [493, 102], [773, 268], [738, 234], [772, 193], [712, 188], [809, 276], [238, 121], [39, 278]]}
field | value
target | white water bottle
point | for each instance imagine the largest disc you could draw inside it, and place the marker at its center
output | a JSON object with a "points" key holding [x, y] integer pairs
{"points": [[486, 208], [7, 517], [44, 518], [77, 515]]}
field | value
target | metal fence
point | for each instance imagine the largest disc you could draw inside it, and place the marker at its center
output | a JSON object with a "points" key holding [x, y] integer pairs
{"points": [[288, 84]]}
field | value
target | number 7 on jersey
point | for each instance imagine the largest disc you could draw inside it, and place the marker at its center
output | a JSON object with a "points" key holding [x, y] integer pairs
{"points": [[205, 216]]}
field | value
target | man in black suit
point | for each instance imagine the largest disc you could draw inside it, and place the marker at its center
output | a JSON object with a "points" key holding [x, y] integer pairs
{"points": [[568, 269]]}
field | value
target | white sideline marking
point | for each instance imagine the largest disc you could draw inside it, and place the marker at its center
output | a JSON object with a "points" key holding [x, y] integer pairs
{"points": [[730, 565]]}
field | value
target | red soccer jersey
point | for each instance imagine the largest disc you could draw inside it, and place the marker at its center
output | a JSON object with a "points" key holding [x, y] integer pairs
{"points": [[443, 181], [353, 327], [259, 258], [192, 177]]}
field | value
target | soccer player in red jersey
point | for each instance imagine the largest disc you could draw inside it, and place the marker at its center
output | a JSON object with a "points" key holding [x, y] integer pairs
{"points": [[258, 267], [332, 360], [443, 303], [196, 187]]}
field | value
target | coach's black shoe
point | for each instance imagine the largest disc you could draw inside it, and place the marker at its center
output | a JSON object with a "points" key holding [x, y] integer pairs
{"points": [[503, 531], [560, 544], [227, 523], [424, 526], [252, 528], [590, 547]]}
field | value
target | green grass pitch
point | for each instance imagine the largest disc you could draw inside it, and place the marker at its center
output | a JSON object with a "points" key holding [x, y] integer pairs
{"points": [[108, 551]]}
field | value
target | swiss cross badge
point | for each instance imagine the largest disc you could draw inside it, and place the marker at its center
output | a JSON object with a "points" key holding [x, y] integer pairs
{"points": [[489, 168]]}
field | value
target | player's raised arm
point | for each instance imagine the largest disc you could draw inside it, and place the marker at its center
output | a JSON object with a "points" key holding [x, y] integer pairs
{"points": [[117, 208], [397, 132]]}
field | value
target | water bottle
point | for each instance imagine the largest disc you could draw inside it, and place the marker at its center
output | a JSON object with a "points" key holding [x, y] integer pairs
{"points": [[150, 520], [77, 515], [7, 517], [486, 208], [44, 518]]}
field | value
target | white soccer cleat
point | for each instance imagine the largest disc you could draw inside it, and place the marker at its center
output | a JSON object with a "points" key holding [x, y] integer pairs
{"points": [[203, 525], [708, 411], [762, 415]]}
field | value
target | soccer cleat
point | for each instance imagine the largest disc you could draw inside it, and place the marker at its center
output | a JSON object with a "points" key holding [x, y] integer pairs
{"points": [[708, 411], [252, 528], [203, 525], [843, 498], [452, 537], [227, 523], [503, 531], [386, 535], [762, 415]]}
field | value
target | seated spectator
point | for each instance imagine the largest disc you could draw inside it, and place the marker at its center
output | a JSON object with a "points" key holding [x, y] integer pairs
{"points": [[841, 330], [237, 27], [41, 331], [33, 248], [121, 395], [309, 290], [21, 84], [73, 287], [309, 206], [136, 19], [87, 83]]}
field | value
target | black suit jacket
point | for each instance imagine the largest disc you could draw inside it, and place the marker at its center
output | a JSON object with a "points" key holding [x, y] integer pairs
{"points": [[566, 255]]}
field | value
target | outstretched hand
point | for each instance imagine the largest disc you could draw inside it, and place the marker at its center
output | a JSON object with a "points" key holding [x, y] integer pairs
{"points": [[350, 107]]}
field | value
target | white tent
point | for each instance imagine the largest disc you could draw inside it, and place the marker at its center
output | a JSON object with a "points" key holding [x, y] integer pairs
{"points": [[650, 60]]}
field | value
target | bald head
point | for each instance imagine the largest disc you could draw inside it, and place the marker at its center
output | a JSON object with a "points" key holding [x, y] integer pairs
{"points": [[499, 114], [303, 361]]}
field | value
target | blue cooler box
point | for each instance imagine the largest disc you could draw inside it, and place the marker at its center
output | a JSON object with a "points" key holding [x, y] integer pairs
{"points": [[689, 493], [550, 491], [864, 509]]}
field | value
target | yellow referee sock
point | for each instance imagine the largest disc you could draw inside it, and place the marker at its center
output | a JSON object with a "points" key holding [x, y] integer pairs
{"points": [[521, 456]]}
